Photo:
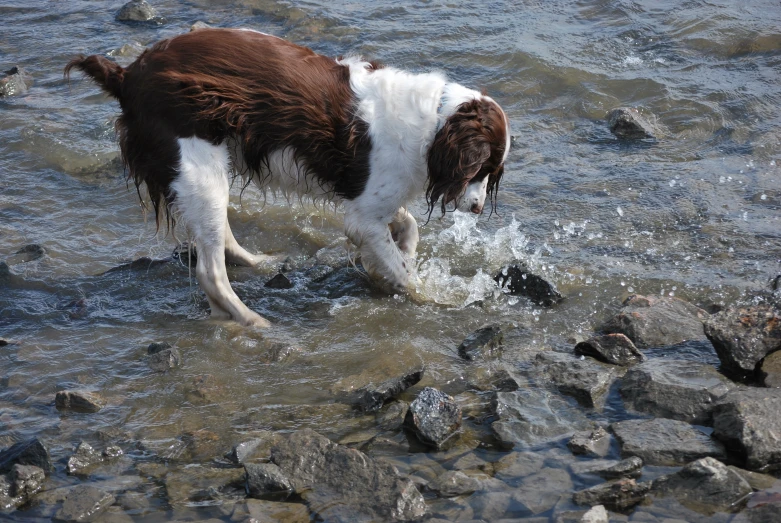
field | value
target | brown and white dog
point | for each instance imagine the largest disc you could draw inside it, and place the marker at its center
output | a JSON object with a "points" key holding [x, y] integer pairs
{"points": [[202, 107]]}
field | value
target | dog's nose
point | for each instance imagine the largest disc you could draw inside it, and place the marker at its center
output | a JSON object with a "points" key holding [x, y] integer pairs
{"points": [[476, 208]]}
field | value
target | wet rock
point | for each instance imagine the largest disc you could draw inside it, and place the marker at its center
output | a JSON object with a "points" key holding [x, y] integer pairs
{"points": [[529, 417], [273, 511], [497, 380], [619, 496], [481, 343], [592, 443], [434, 417], [199, 25], [8, 502], [586, 380], [747, 422], [26, 480], [30, 452], [392, 416], [705, 485], [259, 447], [657, 321], [681, 390], [158, 346], [112, 452], [280, 281], [194, 483], [615, 349], [141, 264], [757, 480], [743, 336], [539, 492], [83, 504], [329, 477], [162, 357], [517, 279], [766, 513], [84, 458], [628, 124], [608, 468], [79, 401], [515, 466], [139, 11], [454, 483], [770, 370], [596, 514], [267, 481], [371, 398], [26, 254], [128, 51], [16, 81], [662, 441]]}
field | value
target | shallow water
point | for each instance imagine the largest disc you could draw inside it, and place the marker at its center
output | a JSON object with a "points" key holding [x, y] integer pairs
{"points": [[695, 214]]}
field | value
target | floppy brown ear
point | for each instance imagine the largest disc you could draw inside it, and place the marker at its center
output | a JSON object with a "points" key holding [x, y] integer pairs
{"points": [[458, 151]]}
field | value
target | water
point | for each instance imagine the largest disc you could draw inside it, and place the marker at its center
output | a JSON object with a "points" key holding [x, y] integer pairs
{"points": [[695, 214]]}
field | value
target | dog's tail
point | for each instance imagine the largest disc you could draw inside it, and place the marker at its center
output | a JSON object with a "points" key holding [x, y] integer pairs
{"points": [[107, 74]]}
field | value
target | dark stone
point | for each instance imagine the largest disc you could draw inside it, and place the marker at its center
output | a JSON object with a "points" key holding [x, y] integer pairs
{"points": [[454, 483], [610, 469], [194, 483], [26, 480], [618, 495], [16, 81], [111, 452], [79, 401], [84, 504], [747, 422], [280, 281], [627, 123], [158, 346], [662, 441], [481, 343], [615, 349], [518, 280], [26, 254], [142, 264], [682, 390], [371, 398], [139, 11], [392, 416], [434, 417], [657, 321], [335, 480], [164, 360], [267, 481], [592, 443], [705, 485], [765, 513], [743, 336], [770, 370], [30, 452], [486, 379], [586, 380], [258, 447], [84, 458], [8, 502]]}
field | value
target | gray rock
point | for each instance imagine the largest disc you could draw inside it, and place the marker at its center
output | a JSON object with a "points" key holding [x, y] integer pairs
{"points": [[517, 279], [266, 480], [674, 389], [26, 480], [596, 514], [329, 476], [767, 513], [195, 483], [392, 416], [139, 11], [529, 417], [619, 496], [608, 468], [657, 321], [26, 254], [371, 398], [515, 466], [280, 281], [79, 401], [757, 480], [164, 360], [743, 336], [593, 443], [199, 25], [485, 379], [158, 346], [83, 504], [539, 492], [434, 417], [16, 81], [615, 349], [705, 485], [627, 123], [586, 380], [258, 447], [662, 441], [262, 511], [481, 343], [454, 483], [8, 502], [770, 370], [83, 458], [30, 452], [111, 452], [747, 422]]}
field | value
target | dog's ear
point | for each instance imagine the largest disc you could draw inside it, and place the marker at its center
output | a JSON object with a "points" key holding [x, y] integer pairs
{"points": [[456, 155]]}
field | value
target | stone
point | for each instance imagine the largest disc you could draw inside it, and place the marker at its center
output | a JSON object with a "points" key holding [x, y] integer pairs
{"points": [[392, 416], [530, 417], [608, 468], [515, 466], [675, 389], [8, 502], [112, 452], [263, 511], [628, 124], [757, 480], [139, 11], [26, 480], [371, 398], [592, 443], [259, 447], [586, 380], [266, 480], [747, 422], [497, 380], [517, 279], [280, 281], [84, 504], [742, 336], [196, 483], [481, 343], [705, 485], [16, 81], [766, 513], [30, 452], [199, 25], [661, 441], [83, 458], [331, 477], [657, 321], [79, 401], [539, 492], [615, 349], [158, 346], [434, 417], [454, 483], [26, 254], [164, 360], [597, 514], [770, 370], [619, 496]]}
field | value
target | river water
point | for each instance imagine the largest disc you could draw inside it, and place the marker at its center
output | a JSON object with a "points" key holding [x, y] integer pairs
{"points": [[695, 214]]}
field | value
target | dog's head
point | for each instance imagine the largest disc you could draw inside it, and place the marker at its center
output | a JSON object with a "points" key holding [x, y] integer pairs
{"points": [[466, 158]]}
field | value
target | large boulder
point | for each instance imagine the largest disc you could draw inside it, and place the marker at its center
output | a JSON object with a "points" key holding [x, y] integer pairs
{"points": [[662, 441], [586, 380]]}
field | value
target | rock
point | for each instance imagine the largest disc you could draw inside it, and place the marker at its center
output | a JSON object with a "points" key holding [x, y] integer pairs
{"points": [[628, 124], [261, 511], [529, 417], [84, 458], [371, 398], [164, 360], [767, 513], [657, 321], [30, 452], [26, 254], [280, 281], [83, 504], [596, 514], [8, 502], [79, 401], [675, 389], [139, 11], [330, 476], [608, 468], [515, 466], [266, 480], [481, 343], [434, 417], [392, 417], [111, 452], [619, 496], [586, 380], [540, 491], [485, 379], [199, 25], [26, 480], [757, 480], [770, 370], [454, 483], [141, 264], [517, 279], [743, 336], [16, 81], [705, 485], [128, 51], [592, 443], [747, 422], [258, 447], [195, 483], [663, 441], [158, 346], [615, 349]]}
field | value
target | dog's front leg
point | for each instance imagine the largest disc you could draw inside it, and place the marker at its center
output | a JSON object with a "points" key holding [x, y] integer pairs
{"points": [[404, 230]]}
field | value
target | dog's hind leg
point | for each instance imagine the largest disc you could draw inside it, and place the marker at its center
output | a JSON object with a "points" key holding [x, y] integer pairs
{"points": [[201, 198]]}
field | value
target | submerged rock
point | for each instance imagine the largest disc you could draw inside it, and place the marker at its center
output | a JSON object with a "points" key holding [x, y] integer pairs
{"points": [[139, 11], [280, 281], [162, 357], [26, 254], [615, 349], [259, 447], [618, 495], [16, 81], [26, 480], [593, 443], [83, 504], [608, 468], [662, 441], [371, 398], [518, 280], [83, 458], [454, 483], [392, 416], [586, 380], [481, 343], [434, 417], [79, 401], [30, 452], [627, 123]]}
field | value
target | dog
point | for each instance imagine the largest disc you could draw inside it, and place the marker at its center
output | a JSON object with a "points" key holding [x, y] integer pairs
{"points": [[202, 107]]}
